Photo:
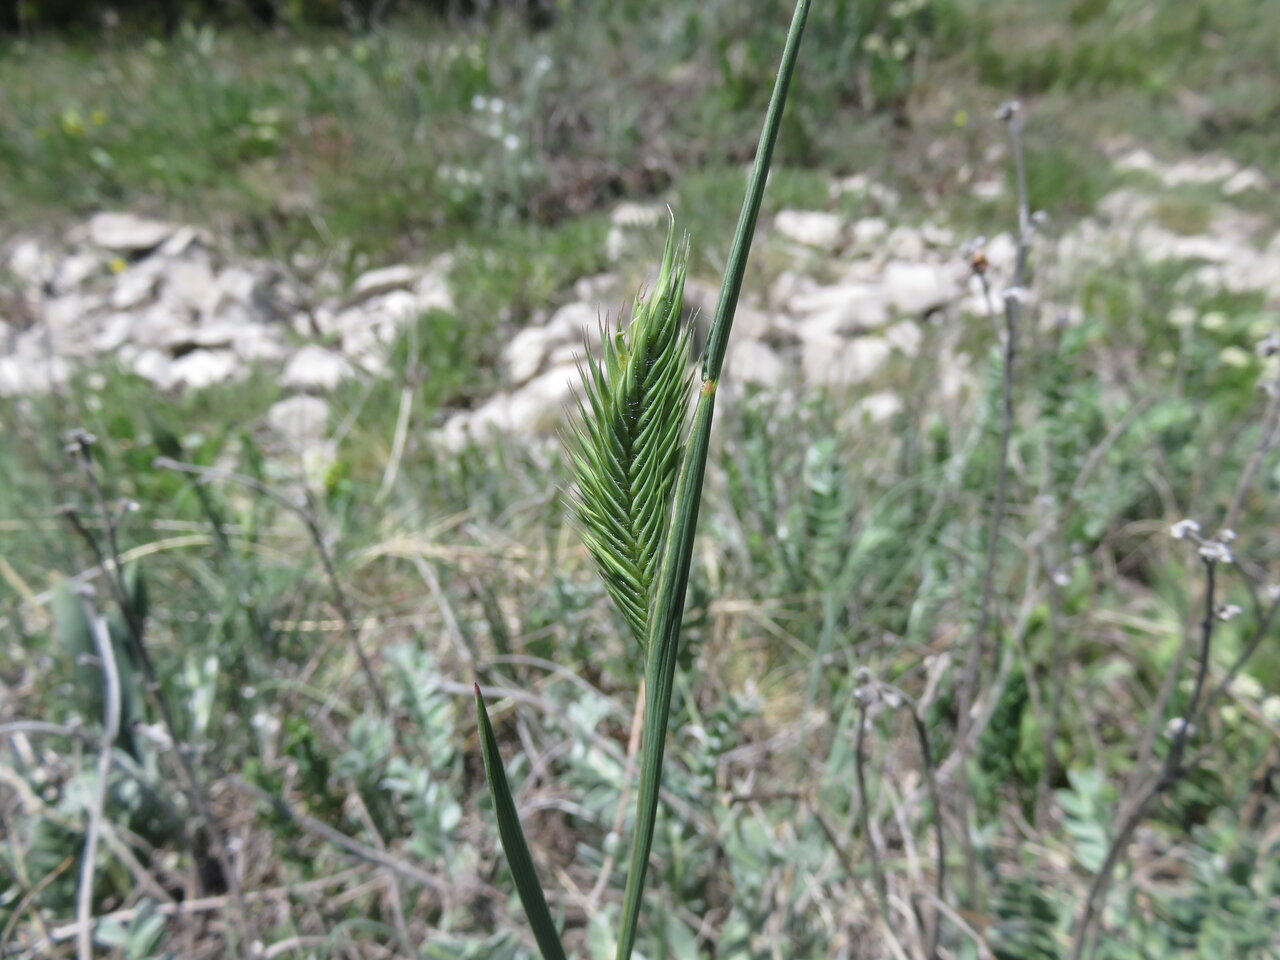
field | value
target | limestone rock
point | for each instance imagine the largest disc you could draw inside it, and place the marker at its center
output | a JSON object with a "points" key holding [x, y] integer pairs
{"points": [[315, 368], [755, 363], [832, 361], [383, 280], [203, 368], [874, 408], [128, 233], [301, 419], [920, 288], [813, 228]]}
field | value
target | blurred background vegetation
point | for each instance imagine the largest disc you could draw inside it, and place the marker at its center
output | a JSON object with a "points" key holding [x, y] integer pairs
{"points": [[354, 133]]}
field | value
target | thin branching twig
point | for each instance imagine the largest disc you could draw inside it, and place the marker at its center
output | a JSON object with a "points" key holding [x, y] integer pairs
{"points": [[80, 446], [110, 730], [307, 514], [1169, 773]]}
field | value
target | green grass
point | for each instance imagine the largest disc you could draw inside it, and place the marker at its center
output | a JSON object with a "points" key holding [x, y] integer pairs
{"points": [[418, 136], [861, 542]]}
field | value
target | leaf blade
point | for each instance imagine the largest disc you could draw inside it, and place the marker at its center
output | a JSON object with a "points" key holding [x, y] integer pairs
{"points": [[514, 846]]}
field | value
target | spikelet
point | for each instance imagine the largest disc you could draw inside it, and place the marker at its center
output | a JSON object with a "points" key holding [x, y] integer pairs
{"points": [[629, 437]]}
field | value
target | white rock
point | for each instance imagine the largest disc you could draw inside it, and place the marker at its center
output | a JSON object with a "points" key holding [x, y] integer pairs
{"points": [[155, 366], [113, 332], [920, 288], [1246, 179], [875, 408], [161, 326], [862, 185], [302, 420], [540, 406], [1002, 252], [938, 237], [990, 189], [18, 376], [255, 342], [1200, 170], [29, 262], [750, 323], [529, 350], [839, 309], [12, 380], [905, 243], [756, 363], [604, 290], [789, 287], [616, 243], [313, 367], [534, 409], [384, 280], [236, 284], [869, 231], [634, 215], [134, 287], [128, 233], [432, 292], [203, 368], [1140, 161], [183, 241], [72, 271], [905, 336], [189, 285], [71, 319], [831, 361], [812, 228]]}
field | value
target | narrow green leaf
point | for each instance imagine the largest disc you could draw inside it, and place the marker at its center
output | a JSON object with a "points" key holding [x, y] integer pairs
{"points": [[673, 574], [513, 842]]}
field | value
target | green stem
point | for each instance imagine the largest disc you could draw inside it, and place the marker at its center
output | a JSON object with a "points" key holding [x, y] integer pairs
{"points": [[664, 641]]}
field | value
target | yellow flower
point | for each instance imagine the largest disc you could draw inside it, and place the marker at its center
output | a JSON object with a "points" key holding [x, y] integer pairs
{"points": [[116, 265], [98, 118], [72, 122]]}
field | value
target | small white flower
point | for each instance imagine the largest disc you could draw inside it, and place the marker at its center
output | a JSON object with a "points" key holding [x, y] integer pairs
{"points": [[1229, 611], [1215, 552], [1183, 529], [479, 103], [1008, 110], [1177, 725], [1226, 535], [511, 142], [1062, 578]]}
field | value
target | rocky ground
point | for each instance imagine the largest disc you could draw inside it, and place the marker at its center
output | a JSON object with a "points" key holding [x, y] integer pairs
{"points": [[173, 305]]}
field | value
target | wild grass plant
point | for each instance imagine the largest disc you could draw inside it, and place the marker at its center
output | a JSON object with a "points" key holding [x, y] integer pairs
{"points": [[1114, 795], [639, 487]]}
